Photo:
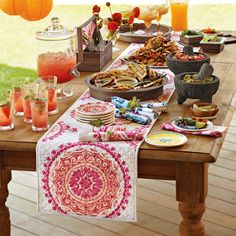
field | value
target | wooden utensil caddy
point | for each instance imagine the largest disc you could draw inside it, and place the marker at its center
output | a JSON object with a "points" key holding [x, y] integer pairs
{"points": [[91, 61]]}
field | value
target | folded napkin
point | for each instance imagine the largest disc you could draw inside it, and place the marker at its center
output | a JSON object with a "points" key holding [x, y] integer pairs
{"points": [[112, 134], [141, 115], [215, 131]]}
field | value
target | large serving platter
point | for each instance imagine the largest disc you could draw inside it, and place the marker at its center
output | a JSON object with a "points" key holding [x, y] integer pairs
{"points": [[139, 34], [143, 94]]}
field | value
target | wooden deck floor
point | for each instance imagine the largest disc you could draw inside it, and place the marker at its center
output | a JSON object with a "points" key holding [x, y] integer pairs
{"points": [[157, 208]]}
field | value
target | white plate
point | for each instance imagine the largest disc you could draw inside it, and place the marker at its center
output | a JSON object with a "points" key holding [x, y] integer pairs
{"points": [[208, 127]]}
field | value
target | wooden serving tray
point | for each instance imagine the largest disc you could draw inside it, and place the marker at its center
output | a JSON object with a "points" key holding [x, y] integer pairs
{"points": [[144, 94], [132, 37]]}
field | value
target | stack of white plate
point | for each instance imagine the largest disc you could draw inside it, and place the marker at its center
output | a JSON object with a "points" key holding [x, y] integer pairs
{"points": [[89, 112]]}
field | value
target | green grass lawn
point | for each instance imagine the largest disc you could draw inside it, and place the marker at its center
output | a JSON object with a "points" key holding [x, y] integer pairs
{"points": [[18, 46], [10, 76]]}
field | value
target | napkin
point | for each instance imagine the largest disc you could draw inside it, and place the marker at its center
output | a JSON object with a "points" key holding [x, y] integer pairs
{"points": [[109, 133], [141, 115], [215, 131]]}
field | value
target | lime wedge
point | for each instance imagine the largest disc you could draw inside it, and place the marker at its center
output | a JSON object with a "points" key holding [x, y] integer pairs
{"points": [[200, 125], [214, 38]]}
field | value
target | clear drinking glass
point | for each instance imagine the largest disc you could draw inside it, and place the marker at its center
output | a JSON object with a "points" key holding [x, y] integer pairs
{"points": [[161, 10], [179, 14], [27, 93], [50, 83], [39, 109], [147, 14], [152, 12], [18, 100], [6, 110]]}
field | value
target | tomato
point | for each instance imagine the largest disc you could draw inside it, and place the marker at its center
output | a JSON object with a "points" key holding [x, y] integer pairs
{"points": [[180, 56]]}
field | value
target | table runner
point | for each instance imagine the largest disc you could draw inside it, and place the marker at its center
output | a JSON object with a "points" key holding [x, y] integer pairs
{"points": [[91, 179]]}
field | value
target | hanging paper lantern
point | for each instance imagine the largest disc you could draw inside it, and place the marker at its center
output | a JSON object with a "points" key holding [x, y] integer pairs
{"points": [[37, 9], [13, 7]]}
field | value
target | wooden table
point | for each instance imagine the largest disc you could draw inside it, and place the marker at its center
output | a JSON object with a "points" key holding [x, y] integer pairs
{"points": [[187, 165]]}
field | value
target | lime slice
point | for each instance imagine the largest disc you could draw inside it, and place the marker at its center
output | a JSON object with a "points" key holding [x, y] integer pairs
{"points": [[200, 125], [205, 39], [214, 38]]}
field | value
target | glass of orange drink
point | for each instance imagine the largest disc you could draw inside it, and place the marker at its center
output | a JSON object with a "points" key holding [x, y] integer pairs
{"points": [[160, 11], [17, 99], [148, 14], [179, 14], [6, 110], [153, 12], [50, 83], [27, 93], [39, 108]]}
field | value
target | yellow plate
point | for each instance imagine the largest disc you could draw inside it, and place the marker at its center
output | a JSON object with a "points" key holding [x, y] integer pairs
{"points": [[166, 139]]}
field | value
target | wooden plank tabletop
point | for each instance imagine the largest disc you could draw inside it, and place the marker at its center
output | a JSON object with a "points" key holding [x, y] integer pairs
{"points": [[197, 149]]}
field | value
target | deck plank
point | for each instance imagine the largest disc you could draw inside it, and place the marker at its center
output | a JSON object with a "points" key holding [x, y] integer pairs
{"points": [[16, 231]]}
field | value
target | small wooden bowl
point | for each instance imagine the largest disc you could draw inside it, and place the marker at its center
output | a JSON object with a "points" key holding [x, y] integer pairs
{"points": [[199, 113]]}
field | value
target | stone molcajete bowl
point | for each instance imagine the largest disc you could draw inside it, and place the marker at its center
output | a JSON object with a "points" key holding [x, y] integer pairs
{"points": [[178, 67], [202, 91]]}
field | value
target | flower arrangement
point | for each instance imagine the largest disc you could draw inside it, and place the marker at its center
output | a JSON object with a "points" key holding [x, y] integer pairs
{"points": [[117, 19]]}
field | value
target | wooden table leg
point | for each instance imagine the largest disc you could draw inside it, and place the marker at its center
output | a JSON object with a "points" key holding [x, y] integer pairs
{"points": [[191, 191], [5, 224], [191, 223]]}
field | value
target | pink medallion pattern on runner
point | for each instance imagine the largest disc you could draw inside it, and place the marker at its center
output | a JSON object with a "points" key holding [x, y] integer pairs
{"points": [[88, 179]]}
